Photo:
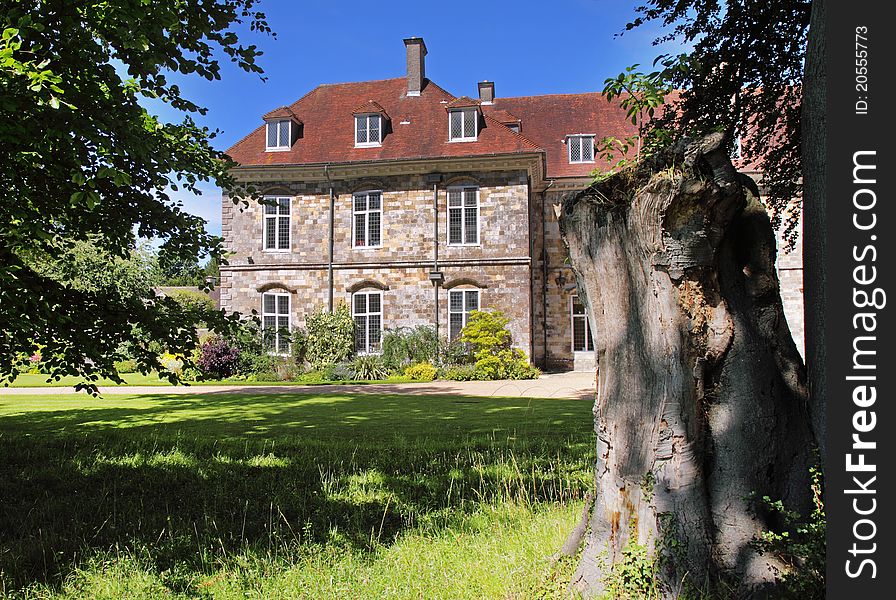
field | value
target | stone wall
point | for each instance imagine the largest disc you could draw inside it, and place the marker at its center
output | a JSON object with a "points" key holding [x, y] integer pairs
{"points": [[499, 265]]}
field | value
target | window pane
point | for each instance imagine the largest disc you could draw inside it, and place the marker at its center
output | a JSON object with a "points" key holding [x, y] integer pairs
{"points": [[282, 344], [284, 134], [282, 305], [575, 150], [472, 300], [360, 229], [374, 303], [455, 301], [283, 233], [577, 307], [360, 202], [470, 197], [374, 228], [373, 201], [283, 206], [361, 334], [455, 324], [578, 334], [270, 209], [374, 126], [272, 135], [270, 230], [375, 325], [471, 216], [360, 304], [469, 123], [454, 226], [269, 304], [361, 130], [283, 324], [456, 124], [588, 148], [270, 322], [454, 197]]}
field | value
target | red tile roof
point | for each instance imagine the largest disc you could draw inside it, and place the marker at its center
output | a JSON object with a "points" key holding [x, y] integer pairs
{"points": [[370, 107], [547, 120], [462, 102], [284, 112], [419, 128]]}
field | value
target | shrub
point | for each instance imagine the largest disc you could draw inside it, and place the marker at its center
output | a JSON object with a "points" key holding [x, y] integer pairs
{"points": [[126, 366], [193, 300], [421, 372], [457, 352], [330, 336], [489, 339], [405, 346], [338, 372], [218, 359], [298, 345], [460, 373], [368, 367]]}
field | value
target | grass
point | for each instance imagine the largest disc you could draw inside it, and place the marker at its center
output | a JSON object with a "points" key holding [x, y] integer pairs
{"points": [[243, 495], [153, 379]]}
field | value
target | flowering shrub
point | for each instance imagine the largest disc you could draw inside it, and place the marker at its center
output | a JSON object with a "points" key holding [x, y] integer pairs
{"points": [[421, 372], [489, 338], [218, 359]]}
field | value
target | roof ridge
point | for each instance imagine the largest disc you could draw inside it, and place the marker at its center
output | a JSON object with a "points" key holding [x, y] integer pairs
{"points": [[357, 82], [498, 99]]}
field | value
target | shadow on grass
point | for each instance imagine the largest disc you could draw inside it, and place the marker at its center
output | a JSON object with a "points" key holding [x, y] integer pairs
{"points": [[195, 478]]}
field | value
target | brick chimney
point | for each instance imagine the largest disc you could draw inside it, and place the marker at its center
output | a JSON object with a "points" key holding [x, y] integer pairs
{"points": [[416, 50], [487, 92]]}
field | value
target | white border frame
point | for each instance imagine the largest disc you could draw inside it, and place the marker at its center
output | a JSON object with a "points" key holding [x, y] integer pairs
{"points": [[475, 125], [367, 212], [368, 144], [278, 123], [578, 137], [276, 315], [463, 221], [264, 223], [589, 336], [368, 292], [463, 312]]}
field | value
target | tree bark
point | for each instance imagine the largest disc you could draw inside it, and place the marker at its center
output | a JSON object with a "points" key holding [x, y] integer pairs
{"points": [[813, 150], [701, 404]]}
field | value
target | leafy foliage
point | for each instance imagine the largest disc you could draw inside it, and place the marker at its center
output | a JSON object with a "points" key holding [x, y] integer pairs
{"points": [[368, 367], [487, 334], [800, 544], [218, 359], [421, 372], [83, 159], [330, 336], [743, 77], [460, 373], [406, 346]]}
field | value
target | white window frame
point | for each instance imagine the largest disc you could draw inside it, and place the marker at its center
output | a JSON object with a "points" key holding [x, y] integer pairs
{"points": [[279, 125], [463, 311], [589, 336], [369, 143], [278, 334], [278, 217], [576, 140], [464, 137], [366, 213], [368, 347], [463, 216]]}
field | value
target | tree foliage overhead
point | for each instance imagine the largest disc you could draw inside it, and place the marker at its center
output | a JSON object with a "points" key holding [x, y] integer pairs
{"points": [[743, 77], [81, 157]]}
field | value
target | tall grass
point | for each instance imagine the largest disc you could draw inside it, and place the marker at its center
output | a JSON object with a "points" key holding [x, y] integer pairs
{"points": [[237, 495]]}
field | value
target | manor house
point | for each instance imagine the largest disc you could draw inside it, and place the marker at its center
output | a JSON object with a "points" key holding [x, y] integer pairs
{"points": [[416, 207]]}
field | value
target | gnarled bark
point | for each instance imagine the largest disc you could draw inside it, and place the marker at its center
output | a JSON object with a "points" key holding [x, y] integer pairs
{"points": [[701, 403]]}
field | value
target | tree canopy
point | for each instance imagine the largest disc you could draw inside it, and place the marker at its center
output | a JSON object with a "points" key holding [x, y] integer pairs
{"points": [[743, 76], [81, 157]]}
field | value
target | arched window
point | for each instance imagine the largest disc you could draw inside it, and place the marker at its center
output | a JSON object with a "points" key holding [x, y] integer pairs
{"points": [[460, 304], [367, 311]]}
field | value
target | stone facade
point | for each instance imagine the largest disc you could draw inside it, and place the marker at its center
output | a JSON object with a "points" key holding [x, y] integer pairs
{"points": [[499, 265]]}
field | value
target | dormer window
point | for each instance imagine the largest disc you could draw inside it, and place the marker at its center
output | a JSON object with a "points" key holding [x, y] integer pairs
{"points": [[463, 125], [368, 130], [581, 148], [279, 134]]}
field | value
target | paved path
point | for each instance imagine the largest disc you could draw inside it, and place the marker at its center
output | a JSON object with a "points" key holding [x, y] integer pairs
{"points": [[554, 385]]}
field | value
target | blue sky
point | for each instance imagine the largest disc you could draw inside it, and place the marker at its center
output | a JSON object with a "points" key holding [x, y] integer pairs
{"points": [[526, 47]]}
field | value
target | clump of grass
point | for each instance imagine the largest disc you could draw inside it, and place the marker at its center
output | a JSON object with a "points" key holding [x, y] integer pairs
{"points": [[372, 496]]}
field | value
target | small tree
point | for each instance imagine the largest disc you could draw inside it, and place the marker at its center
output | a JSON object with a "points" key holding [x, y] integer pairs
{"points": [[330, 336]]}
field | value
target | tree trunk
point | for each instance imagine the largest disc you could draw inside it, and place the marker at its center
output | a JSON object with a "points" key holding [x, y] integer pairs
{"points": [[813, 150], [701, 402]]}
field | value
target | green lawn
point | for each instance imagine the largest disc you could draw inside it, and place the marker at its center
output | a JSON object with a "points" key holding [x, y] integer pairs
{"points": [[288, 496], [40, 380]]}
